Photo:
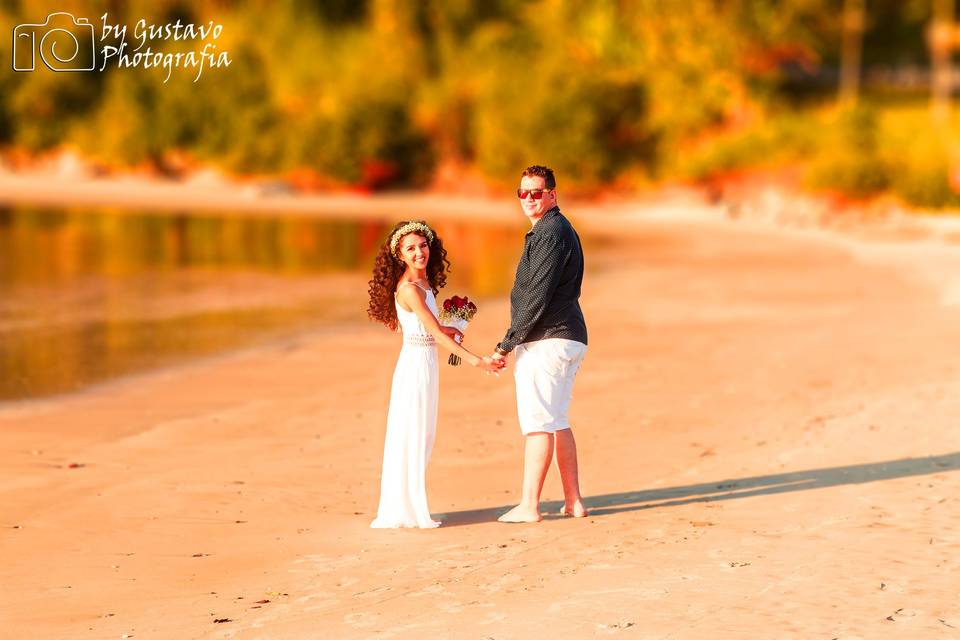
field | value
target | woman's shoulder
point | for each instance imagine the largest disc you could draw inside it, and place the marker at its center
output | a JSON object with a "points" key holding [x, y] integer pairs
{"points": [[405, 293], [406, 282]]}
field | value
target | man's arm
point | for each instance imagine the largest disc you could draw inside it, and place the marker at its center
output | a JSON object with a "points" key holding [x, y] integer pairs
{"points": [[547, 258]]}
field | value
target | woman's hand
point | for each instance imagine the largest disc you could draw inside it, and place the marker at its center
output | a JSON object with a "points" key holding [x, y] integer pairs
{"points": [[453, 332]]}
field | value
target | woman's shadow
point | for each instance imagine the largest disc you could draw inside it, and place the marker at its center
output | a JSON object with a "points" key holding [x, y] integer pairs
{"points": [[732, 488]]}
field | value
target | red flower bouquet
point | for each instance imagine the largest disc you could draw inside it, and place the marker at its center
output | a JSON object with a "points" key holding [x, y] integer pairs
{"points": [[457, 312]]}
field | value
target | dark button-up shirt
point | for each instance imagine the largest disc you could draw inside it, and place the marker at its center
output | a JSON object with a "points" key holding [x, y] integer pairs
{"points": [[544, 302]]}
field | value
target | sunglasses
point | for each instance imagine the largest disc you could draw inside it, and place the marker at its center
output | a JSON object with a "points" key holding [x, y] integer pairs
{"points": [[536, 194]]}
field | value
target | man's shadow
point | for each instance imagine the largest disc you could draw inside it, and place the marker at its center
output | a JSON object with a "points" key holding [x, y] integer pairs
{"points": [[731, 488]]}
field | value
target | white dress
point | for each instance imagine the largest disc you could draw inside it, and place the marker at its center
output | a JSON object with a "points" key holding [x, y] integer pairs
{"points": [[411, 426]]}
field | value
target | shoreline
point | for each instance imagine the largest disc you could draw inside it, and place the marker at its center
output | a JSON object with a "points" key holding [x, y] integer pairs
{"points": [[767, 202], [882, 242], [222, 195]]}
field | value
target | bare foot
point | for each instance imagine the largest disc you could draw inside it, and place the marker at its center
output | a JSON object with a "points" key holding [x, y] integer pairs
{"points": [[577, 510], [521, 514]]}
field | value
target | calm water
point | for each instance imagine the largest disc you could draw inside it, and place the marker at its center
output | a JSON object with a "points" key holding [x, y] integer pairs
{"points": [[92, 295]]}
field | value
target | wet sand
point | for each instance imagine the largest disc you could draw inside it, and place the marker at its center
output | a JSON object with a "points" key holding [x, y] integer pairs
{"points": [[768, 442]]}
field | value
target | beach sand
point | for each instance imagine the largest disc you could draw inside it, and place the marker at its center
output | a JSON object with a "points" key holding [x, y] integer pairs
{"points": [[767, 427]]}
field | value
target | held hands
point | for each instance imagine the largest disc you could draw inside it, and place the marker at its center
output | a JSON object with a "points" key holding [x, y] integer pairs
{"points": [[493, 364], [489, 365]]}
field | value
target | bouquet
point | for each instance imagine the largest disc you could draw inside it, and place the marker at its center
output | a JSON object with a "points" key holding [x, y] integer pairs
{"points": [[457, 312]]}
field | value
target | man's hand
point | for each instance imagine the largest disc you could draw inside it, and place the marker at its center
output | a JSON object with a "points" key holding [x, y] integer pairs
{"points": [[490, 366], [502, 360]]}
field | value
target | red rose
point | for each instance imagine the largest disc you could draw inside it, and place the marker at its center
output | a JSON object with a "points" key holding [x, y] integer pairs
{"points": [[473, 307], [456, 301], [447, 304]]}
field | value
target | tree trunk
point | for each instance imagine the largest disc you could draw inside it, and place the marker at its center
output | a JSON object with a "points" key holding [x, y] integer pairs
{"points": [[940, 40], [853, 22]]}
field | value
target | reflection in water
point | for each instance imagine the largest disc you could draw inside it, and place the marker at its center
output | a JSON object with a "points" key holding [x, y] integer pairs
{"points": [[91, 295]]}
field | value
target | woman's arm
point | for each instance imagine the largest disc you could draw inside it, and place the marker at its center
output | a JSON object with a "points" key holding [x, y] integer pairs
{"points": [[453, 332], [415, 298]]}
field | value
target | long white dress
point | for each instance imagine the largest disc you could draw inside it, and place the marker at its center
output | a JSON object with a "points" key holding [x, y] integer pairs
{"points": [[411, 426]]}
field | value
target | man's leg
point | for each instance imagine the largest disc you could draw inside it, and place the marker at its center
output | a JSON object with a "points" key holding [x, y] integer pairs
{"points": [[537, 454], [569, 474]]}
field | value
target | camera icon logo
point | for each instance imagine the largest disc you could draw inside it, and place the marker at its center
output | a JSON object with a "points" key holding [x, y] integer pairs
{"points": [[65, 43]]}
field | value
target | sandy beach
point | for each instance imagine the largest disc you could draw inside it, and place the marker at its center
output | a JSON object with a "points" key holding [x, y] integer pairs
{"points": [[768, 442]]}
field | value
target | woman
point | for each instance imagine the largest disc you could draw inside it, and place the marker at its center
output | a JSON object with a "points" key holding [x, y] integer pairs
{"points": [[409, 271]]}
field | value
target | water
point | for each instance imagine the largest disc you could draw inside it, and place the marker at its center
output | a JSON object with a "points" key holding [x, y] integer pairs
{"points": [[92, 295]]}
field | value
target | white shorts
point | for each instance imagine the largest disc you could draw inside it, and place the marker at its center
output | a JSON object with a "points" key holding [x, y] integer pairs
{"points": [[544, 373]]}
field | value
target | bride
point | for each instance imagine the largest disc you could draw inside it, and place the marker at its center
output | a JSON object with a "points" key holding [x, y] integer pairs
{"points": [[409, 271]]}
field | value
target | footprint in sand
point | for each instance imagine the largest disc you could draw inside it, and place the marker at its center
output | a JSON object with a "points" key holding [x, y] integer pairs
{"points": [[319, 595], [323, 605], [434, 589], [450, 607], [361, 619], [323, 564], [500, 583], [578, 598], [616, 626], [493, 618], [347, 582], [902, 615]]}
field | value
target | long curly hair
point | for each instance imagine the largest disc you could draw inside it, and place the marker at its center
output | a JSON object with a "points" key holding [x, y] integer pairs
{"points": [[388, 268]]}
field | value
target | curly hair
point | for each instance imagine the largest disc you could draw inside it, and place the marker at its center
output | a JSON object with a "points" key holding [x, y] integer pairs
{"points": [[388, 268]]}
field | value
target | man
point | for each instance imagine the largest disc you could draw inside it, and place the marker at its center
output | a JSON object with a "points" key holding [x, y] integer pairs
{"points": [[549, 335]]}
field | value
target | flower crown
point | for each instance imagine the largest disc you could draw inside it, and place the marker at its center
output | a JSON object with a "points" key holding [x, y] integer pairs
{"points": [[410, 227]]}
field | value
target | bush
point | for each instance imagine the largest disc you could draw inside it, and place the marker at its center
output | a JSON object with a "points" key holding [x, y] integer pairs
{"points": [[784, 137], [589, 128], [925, 183], [919, 153], [371, 142], [849, 160], [850, 174]]}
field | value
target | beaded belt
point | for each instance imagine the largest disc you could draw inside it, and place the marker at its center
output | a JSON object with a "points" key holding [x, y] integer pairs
{"points": [[419, 340]]}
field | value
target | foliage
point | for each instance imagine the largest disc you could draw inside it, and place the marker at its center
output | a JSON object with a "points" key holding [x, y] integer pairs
{"points": [[920, 156], [848, 160], [377, 93], [786, 136]]}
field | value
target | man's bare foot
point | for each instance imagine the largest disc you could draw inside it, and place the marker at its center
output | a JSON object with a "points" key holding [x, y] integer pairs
{"points": [[577, 510], [521, 514]]}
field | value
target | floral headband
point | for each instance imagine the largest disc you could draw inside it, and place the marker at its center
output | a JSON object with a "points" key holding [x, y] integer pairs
{"points": [[410, 227]]}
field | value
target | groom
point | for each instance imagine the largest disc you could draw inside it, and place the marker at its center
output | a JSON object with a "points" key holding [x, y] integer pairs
{"points": [[549, 336]]}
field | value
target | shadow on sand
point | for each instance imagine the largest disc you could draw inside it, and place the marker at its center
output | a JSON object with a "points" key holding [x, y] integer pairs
{"points": [[731, 488]]}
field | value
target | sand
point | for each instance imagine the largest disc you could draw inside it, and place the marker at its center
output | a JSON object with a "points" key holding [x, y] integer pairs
{"points": [[767, 426]]}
